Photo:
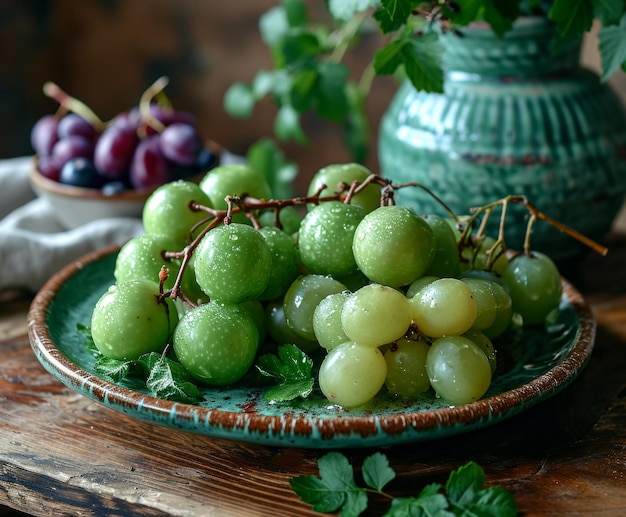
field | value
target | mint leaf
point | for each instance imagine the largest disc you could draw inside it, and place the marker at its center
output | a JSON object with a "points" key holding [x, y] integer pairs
{"points": [[613, 48], [115, 369], [429, 503], [168, 379], [393, 14], [334, 490], [495, 501], [572, 17], [293, 370], [344, 10], [377, 472], [239, 100], [464, 483], [85, 331]]}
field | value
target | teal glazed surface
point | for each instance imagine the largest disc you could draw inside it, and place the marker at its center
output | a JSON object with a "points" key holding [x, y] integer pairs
{"points": [[514, 119], [533, 365]]}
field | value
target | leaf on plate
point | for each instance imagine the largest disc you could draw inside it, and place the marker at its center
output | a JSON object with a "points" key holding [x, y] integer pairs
{"points": [[168, 379], [116, 369], [292, 368]]}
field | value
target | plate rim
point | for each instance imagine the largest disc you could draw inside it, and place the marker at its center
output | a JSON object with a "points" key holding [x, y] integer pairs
{"points": [[302, 431]]}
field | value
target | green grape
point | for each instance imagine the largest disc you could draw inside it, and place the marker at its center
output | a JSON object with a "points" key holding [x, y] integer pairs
{"points": [[485, 344], [458, 369], [504, 311], [216, 343], [284, 265], [354, 281], [128, 320], [167, 210], [333, 175], [234, 180], [417, 285], [302, 298], [233, 263], [534, 283], [485, 302], [351, 375], [327, 320], [257, 312], [282, 333], [142, 257], [445, 307], [446, 261], [375, 315], [288, 217], [406, 367], [325, 238], [475, 255], [393, 246]]}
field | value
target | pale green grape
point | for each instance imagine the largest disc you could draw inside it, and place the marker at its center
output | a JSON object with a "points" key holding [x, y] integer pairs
{"points": [[475, 255], [393, 246], [327, 320], [504, 311], [351, 375], [485, 344], [128, 320], [167, 212], [233, 263], [333, 175], [216, 343], [458, 369], [284, 265], [417, 285], [234, 180], [325, 238], [445, 307], [406, 367], [302, 298], [375, 315], [281, 333], [534, 283], [446, 261], [485, 302]]}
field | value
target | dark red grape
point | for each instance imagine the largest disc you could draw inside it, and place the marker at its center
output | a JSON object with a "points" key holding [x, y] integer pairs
{"points": [[180, 143], [80, 172], [72, 124], [43, 136], [49, 167], [149, 167], [169, 116], [72, 147], [115, 148]]}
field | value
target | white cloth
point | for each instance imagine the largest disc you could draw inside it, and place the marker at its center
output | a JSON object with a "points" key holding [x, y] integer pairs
{"points": [[33, 244]]}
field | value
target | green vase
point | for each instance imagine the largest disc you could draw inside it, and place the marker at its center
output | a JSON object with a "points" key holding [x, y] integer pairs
{"points": [[515, 119]]}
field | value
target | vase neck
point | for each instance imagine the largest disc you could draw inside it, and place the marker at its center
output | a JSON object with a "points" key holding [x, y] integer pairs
{"points": [[528, 49]]}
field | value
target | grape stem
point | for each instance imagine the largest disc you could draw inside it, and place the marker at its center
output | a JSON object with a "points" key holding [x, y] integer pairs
{"points": [[147, 117], [69, 103], [248, 205]]}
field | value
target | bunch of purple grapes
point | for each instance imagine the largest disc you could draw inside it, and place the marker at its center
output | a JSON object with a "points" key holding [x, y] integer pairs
{"points": [[126, 153]]}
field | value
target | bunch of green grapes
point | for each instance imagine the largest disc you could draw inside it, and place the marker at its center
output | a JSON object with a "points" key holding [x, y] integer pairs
{"points": [[388, 299]]}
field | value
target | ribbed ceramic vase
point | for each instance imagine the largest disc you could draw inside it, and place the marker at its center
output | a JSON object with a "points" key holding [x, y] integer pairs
{"points": [[514, 119]]}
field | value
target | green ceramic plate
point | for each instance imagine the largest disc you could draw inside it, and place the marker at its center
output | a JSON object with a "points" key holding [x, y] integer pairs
{"points": [[533, 365]]}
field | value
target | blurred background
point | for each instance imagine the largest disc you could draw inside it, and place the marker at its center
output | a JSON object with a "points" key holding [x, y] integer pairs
{"points": [[106, 52]]}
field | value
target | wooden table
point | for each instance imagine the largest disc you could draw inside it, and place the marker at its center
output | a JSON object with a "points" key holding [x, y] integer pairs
{"points": [[62, 454]]}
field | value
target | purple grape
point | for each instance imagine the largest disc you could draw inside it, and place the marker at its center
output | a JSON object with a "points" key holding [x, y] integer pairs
{"points": [[72, 124], [72, 147], [80, 172], [43, 135], [169, 116], [149, 167], [49, 167], [180, 143], [115, 148]]}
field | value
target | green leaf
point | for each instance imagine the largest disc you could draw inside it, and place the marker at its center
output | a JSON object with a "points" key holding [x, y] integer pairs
{"points": [[609, 12], [468, 11], [287, 124], [393, 14], [432, 505], [357, 126], [274, 26], [377, 472], [168, 379], [303, 86], [265, 157], [572, 17], [301, 48], [464, 483], [500, 14], [85, 331], [293, 370], [422, 62], [334, 490], [613, 48], [344, 10], [330, 91], [239, 100], [388, 58], [115, 369], [495, 501], [263, 83], [296, 13]]}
